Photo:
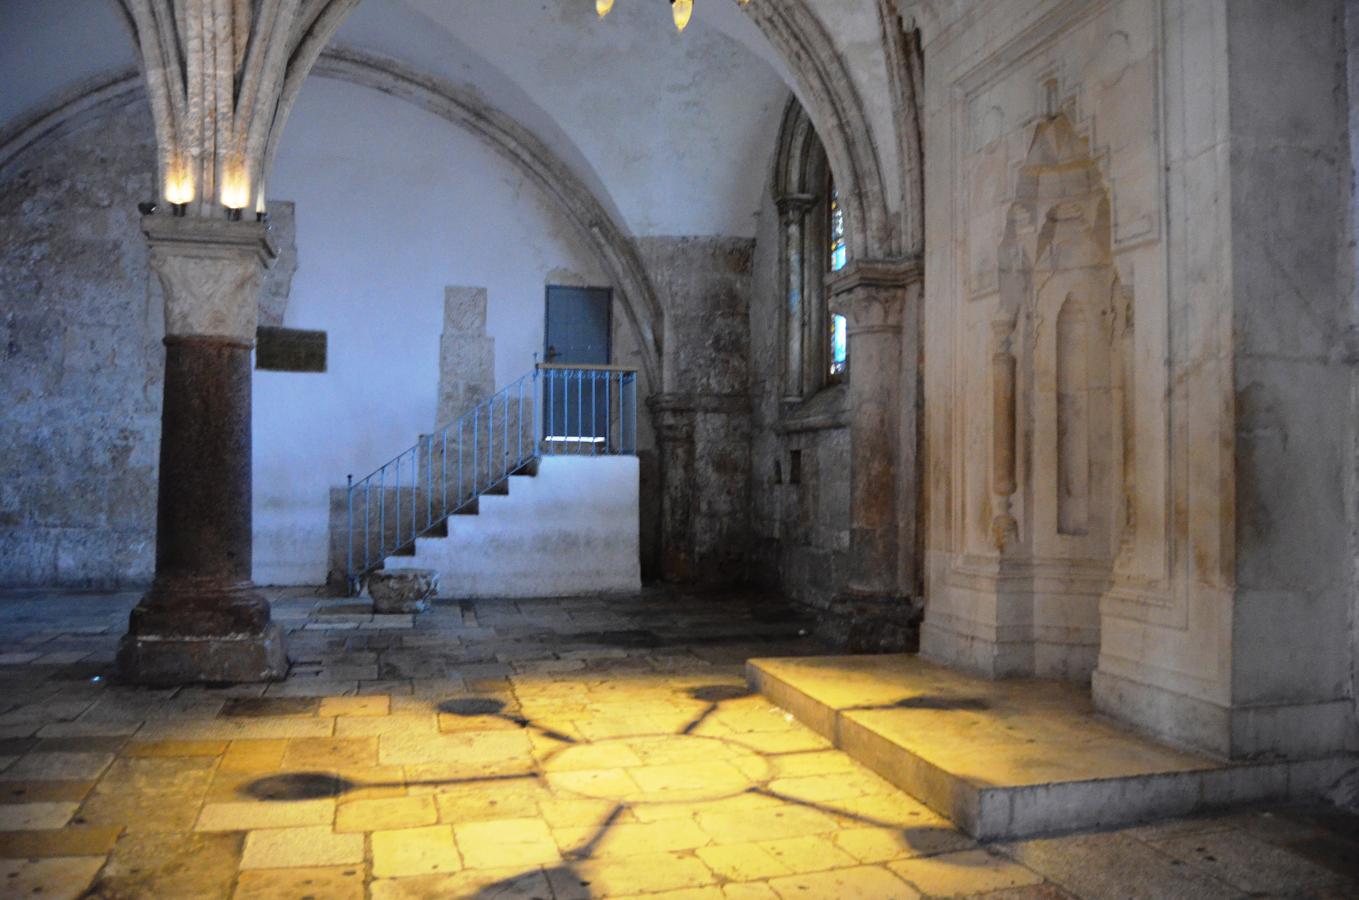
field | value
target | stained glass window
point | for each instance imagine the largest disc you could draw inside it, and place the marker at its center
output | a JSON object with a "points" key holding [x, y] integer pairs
{"points": [[839, 346], [839, 256], [839, 250]]}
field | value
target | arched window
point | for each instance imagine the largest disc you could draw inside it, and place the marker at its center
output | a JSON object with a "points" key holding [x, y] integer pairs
{"points": [[813, 232]]}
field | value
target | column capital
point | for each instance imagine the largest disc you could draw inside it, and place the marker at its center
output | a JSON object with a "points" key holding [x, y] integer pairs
{"points": [[790, 205], [210, 270], [871, 294], [876, 273]]}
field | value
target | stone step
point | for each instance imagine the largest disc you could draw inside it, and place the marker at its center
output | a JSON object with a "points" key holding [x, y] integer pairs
{"points": [[1017, 758], [569, 528]]}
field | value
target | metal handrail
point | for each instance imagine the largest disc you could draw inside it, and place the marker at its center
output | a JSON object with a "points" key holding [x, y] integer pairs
{"points": [[444, 473]]}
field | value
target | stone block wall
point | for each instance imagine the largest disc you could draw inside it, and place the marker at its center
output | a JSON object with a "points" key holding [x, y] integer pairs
{"points": [[800, 458], [81, 323], [81, 371], [703, 409], [466, 354]]}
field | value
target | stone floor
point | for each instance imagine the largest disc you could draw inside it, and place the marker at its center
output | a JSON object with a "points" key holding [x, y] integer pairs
{"points": [[599, 747]]}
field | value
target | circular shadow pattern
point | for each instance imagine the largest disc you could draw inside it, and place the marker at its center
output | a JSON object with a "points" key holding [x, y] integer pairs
{"points": [[298, 786], [716, 693], [473, 706]]}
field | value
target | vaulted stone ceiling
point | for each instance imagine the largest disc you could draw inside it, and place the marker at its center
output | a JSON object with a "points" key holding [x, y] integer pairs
{"points": [[673, 133]]}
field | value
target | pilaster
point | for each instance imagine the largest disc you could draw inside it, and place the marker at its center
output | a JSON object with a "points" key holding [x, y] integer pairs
{"points": [[875, 609]]}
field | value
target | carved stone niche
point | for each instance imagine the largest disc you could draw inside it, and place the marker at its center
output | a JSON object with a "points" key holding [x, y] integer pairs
{"points": [[1061, 448]]}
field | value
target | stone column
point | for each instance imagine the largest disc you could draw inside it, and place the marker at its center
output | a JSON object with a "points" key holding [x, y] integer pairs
{"points": [[873, 610], [203, 620], [673, 420], [793, 209]]}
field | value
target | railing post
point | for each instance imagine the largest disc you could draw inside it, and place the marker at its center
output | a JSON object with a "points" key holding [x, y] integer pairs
{"points": [[382, 511], [443, 474], [349, 531], [367, 518], [396, 541]]}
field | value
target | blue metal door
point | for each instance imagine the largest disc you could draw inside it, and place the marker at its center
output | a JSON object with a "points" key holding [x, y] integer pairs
{"points": [[576, 403]]}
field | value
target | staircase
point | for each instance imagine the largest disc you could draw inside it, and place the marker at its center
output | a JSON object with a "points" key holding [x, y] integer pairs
{"points": [[533, 492]]}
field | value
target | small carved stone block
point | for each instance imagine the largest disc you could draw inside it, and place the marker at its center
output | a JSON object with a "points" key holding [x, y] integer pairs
{"points": [[402, 590]]}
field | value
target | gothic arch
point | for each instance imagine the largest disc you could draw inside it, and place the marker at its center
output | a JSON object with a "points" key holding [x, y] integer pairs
{"points": [[836, 108], [615, 252], [906, 80], [802, 181]]}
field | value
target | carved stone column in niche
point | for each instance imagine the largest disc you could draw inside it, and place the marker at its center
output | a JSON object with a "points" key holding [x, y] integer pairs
{"points": [[1004, 370], [1127, 375], [874, 296], [203, 620], [673, 419]]}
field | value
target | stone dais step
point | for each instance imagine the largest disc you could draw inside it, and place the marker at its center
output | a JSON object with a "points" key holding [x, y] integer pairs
{"points": [[1017, 758]]}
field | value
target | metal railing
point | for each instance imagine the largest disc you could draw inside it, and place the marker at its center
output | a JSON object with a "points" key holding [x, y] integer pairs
{"points": [[554, 410]]}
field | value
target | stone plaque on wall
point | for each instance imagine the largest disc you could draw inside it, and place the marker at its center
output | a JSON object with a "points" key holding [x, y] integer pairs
{"points": [[289, 349]]}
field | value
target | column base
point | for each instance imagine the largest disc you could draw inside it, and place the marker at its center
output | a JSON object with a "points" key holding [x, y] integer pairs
{"points": [[872, 623], [177, 659]]}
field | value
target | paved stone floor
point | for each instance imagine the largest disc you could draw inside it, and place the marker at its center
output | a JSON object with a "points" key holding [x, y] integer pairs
{"points": [[565, 749]]}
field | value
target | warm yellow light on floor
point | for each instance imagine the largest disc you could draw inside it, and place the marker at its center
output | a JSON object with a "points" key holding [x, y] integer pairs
{"points": [[683, 10], [603, 6]]}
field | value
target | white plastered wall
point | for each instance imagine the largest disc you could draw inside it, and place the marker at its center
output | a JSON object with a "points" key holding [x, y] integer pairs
{"points": [[393, 204]]}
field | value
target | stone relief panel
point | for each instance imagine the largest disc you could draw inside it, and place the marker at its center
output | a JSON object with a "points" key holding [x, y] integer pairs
{"points": [[1050, 320], [1053, 377], [1095, 71]]}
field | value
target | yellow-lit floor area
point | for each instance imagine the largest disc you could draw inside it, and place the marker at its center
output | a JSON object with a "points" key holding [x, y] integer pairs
{"points": [[604, 747]]}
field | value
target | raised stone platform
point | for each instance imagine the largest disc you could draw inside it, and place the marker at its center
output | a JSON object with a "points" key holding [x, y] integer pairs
{"points": [[1017, 758]]}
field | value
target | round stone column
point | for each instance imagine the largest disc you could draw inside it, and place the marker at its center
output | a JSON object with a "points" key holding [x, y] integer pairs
{"points": [[203, 620], [873, 610]]}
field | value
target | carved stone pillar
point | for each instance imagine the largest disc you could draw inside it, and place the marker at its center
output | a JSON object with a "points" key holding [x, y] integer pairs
{"points": [[203, 620], [673, 419], [874, 609]]}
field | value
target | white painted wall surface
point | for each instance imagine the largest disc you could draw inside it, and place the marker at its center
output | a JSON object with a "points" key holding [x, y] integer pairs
{"points": [[569, 531], [48, 46], [677, 126], [671, 131], [392, 205]]}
